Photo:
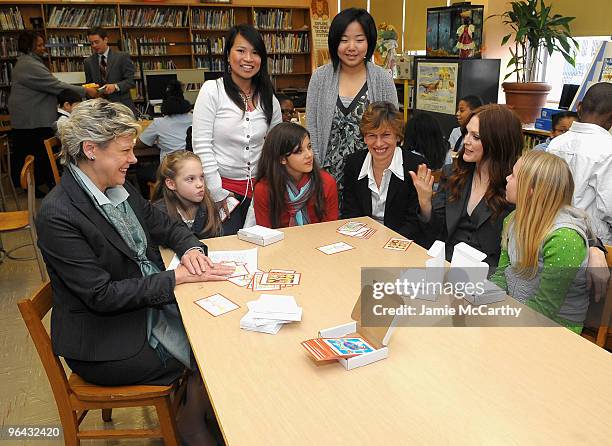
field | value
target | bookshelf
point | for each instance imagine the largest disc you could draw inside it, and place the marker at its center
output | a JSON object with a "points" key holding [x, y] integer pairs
{"points": [[175, 26]]}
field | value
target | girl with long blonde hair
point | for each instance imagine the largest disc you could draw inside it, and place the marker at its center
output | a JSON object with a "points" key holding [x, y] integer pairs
{"points": [[545, 241], [181, 192]]}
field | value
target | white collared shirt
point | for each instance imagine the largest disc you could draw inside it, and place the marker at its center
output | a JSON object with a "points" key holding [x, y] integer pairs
{"points": [[587, 148], [105, 54], [228, 141], [113, 195], [379, 195]]}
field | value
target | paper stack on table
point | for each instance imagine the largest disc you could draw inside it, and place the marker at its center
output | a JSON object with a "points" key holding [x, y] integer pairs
{"points": [[356, 229], [270, 312]]}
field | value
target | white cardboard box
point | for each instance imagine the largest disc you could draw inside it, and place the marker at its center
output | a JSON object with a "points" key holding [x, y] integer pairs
{"points": [[260, 235], [377, 337]]}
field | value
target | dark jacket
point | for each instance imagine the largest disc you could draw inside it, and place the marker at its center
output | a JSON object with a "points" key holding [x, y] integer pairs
{"points": [[200, 220], [402, 200], [99, 294], [445, 216], [119, 70]]}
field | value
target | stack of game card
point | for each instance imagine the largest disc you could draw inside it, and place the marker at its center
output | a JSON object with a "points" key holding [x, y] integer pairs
{"points": [[273, 280], [325, 349], [270, 312], [356, 229]]}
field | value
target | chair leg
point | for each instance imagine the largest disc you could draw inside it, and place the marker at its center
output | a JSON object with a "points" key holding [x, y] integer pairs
{"points": [[167, 421], [107, 415], [41, 264], [70, 427]]}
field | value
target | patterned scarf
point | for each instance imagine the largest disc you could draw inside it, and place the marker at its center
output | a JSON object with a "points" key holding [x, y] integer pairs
{"points": [[165, 330], [297, 199]]}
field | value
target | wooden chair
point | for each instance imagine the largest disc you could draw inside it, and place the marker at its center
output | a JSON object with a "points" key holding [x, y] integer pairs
{"points": [[53, 146], [602, 330], [75, 397], [22, 220], [5, 170]]}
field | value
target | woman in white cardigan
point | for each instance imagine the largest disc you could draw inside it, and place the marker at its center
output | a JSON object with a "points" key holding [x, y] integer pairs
{"points": [[339, 92], [231, 119]]}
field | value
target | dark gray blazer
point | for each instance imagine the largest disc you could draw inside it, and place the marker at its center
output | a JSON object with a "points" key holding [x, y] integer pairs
{"points": [[100, 297], [119, 70]]}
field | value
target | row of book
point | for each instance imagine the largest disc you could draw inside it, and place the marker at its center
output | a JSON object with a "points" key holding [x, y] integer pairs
{"points": [[10, 19], [8, 47], [154, 17], [206, 63], [67, 17], [286, 43], [212, 19], [531, 140], [131, 45], [68, 46], [4, 94], [273, 18], [63, 65], [155, 65], [280, 65], [6, 68], [216, 45]]}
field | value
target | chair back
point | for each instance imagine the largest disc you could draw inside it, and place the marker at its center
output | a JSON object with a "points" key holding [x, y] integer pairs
{"points": [[27, 183], [33, 310], [53, 147]]}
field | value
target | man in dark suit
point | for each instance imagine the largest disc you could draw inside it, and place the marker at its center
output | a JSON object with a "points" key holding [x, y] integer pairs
{"points": [[110, 69]]}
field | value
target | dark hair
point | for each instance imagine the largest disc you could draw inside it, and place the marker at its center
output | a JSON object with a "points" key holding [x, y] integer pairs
{"points": [[501, 134], [472, 100], [283, 97], [339, 24], [561, 115], [283, 140], [424, 135], [27, 41], [97, 30], [168, 169], [263, 90], [69, 96], [597, 100], [174, 102]]}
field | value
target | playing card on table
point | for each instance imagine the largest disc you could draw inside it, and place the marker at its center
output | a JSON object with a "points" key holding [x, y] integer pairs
{"points": [[350, 227], [242, 281], [335, 248], [397, 244], [256, 284], [282, 278], [217, 304]]}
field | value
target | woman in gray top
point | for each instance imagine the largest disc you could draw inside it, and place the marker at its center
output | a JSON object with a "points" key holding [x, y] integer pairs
{"points": [[33, 105], [340, 91]]}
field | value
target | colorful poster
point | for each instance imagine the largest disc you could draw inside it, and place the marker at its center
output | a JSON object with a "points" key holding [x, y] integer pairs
{"points": [[437, 87], [606, 70], [319, 17]]}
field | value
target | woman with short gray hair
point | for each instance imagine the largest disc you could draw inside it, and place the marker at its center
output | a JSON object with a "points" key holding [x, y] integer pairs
{"points": [[114, 318]]}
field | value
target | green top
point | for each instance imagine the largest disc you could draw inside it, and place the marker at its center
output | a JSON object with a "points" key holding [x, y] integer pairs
{"points": [[563, 250]]}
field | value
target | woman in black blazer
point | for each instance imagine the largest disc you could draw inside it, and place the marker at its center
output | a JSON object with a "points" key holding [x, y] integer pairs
{"points": [[114, 317], [470, 203], [376, 181]]}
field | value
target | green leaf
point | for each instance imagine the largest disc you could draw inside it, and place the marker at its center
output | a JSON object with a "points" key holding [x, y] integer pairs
{"points": [[505, 39]]}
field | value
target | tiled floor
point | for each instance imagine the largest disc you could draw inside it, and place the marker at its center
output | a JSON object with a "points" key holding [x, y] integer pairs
{"points": [[25, 393]]}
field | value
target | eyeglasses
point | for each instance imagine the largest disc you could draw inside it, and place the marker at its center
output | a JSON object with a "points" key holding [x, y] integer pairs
{"points": [[287, 111]]}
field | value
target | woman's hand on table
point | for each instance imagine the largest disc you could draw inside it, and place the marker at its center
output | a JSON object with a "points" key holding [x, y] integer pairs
{"points": [[196, 267]]}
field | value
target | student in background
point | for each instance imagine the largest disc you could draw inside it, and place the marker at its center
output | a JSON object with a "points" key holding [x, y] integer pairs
{"points": [[67, 99], [169, 132], [587, 148], [545, 241], [291, 189], [339, 92], [287, 108], [231, 119], [470, 204], [180, 191], [561, 123], [377, 181], [465, 108], [423, 135]]}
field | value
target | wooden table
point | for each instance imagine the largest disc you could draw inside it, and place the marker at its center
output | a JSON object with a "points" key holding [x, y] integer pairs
{"points": [[439, 385]]}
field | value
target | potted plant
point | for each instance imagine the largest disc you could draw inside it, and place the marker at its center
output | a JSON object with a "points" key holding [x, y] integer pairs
{"points": [[535, 29]]}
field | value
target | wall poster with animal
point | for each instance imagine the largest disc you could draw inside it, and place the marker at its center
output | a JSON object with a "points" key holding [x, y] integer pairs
{"points": [[437, 87]]}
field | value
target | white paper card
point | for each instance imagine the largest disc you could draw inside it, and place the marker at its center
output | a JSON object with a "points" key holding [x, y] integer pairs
{"points": [[246, 256], [216, 304], [335, 248]]}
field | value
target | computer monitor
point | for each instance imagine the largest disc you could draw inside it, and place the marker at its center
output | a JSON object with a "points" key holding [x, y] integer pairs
{"points": [[212, 75], [567, 95], [156, 85]]}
